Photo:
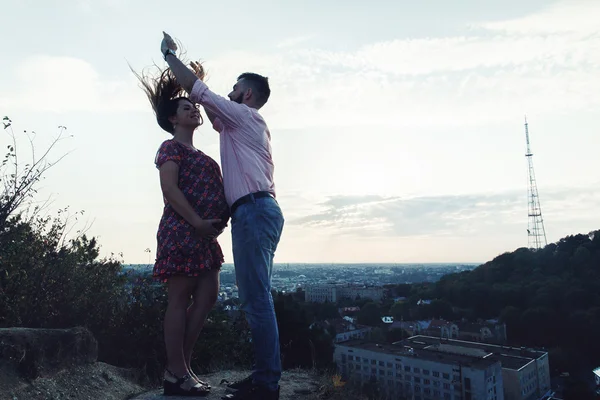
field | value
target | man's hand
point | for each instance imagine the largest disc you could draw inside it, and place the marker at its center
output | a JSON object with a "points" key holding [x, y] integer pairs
{"points": [[198, 69], [183, 74], [167, 44]]}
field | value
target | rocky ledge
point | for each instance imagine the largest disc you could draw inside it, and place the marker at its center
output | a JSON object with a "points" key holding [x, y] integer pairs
{"points": [[297, 385]]}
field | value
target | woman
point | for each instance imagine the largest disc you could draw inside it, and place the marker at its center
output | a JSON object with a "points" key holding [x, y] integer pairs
{"points": [[189, 257]]}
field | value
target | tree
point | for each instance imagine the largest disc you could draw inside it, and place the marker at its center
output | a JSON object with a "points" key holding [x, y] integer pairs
{"points": [[395, 335], [18, 178], [370, 315], [400, 311], [511, 316], [52, 279], [377, 335], [547, 298], [440, 309], [577, 390]]}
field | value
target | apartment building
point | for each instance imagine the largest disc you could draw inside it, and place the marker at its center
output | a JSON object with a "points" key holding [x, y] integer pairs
{"points": [[364, 292], [359, 332], [442, 329], [403, 372], [332, 292], [484, 331], [525, 372], [321, 293]]}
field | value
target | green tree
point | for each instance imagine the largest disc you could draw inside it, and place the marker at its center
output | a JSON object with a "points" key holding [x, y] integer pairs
{"points": [[370, 315], [548, 297], [395, 335], [400, 311], [51, 276]]}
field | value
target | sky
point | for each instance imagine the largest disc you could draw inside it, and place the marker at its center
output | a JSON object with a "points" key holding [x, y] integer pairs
{"points": [[397, 126]]}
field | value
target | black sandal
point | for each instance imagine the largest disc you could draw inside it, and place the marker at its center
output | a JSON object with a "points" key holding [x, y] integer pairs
{"points": [[175, 389], [205, 384]]}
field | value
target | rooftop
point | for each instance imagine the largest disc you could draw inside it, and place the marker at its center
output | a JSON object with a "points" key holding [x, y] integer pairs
{"points": [[422, 354], [472, 327], [438, 323], [512, 362], [510, 357], [323, 285]]}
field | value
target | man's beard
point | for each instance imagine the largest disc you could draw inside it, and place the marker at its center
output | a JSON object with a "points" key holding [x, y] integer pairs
{"points": [[239, 99]]}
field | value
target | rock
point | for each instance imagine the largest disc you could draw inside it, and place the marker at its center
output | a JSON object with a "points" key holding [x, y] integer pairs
{"points": [[85, 382], [297, 385], [33, 353], [53, 364]]}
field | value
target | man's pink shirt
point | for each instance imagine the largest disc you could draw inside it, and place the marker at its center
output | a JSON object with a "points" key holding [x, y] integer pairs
{"points": [[246, 158]]}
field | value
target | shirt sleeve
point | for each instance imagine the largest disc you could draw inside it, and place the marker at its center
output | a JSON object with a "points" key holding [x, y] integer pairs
{"points": [[168, 151], [217, 125], [229, 112]]}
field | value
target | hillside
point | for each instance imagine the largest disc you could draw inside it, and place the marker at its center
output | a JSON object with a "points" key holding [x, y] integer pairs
{"points": [[548, 298], [59, 364], [47, 364], [297, 385]]}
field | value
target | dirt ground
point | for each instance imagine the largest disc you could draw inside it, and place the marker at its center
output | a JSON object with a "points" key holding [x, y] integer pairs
{"points": [[93, 381], [297, 385]]}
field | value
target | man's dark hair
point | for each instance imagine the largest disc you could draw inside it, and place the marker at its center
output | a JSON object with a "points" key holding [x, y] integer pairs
{"points": [[259, 85]]}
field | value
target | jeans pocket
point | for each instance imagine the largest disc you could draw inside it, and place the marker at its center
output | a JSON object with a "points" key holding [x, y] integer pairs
{"points": [[271, 225]]}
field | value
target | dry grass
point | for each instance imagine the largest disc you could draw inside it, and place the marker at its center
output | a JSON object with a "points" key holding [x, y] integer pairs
{"points": [[331, 387]]}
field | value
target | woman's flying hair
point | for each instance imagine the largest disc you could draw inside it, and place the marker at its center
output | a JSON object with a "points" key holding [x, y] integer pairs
{"points": [[164, 93]]}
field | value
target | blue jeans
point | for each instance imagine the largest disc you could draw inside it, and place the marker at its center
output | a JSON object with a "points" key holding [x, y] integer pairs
{"points": [[255, 230]]}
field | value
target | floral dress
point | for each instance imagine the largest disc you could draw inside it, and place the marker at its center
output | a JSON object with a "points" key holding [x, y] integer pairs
{"points": [[180, 251]]}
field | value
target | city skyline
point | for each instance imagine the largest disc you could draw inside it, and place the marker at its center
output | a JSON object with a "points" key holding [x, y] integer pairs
{"points": [[397, 131]]}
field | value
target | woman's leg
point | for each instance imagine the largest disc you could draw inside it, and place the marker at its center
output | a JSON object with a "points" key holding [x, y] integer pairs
{"points": [[180, 288], [205, 297]]}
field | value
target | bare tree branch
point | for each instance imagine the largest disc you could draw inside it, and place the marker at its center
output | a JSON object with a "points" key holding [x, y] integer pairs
{"points": [[19, 183]]}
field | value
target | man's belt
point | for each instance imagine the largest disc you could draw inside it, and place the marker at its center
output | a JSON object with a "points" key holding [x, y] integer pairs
{"points": [[249, 198]]}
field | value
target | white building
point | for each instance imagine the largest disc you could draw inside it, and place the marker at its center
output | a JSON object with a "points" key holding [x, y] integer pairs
{"points": [[332, 292], [442, 329], [356, 333], [525, 372], [420, 374], [321, 293], [364, 292]]}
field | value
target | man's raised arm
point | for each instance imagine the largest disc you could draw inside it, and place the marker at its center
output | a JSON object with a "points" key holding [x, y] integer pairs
{"points": [[229, 112]]}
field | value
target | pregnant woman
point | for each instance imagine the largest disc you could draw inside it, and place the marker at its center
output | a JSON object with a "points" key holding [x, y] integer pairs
{"points": [[189, 257]]}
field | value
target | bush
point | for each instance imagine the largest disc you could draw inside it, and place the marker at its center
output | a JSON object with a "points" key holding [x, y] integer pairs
{"points": [[49, 281]]}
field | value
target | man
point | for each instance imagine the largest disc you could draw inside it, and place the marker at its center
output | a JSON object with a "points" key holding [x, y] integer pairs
{"points": [[256, 219]]}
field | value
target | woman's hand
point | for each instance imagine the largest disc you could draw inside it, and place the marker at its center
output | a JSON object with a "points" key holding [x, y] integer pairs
{"points": [[198, 70], [205, 228]]}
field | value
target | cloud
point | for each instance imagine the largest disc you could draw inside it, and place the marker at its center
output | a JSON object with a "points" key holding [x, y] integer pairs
{"points": [[415, 57], [89, 6], [495, 71], [294, 41], [66, 84], [580, 16], [503, 69], [446, 215]]}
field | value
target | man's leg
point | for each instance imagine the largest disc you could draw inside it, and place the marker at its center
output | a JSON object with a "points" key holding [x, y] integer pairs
{"points": [[256, 230]]}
